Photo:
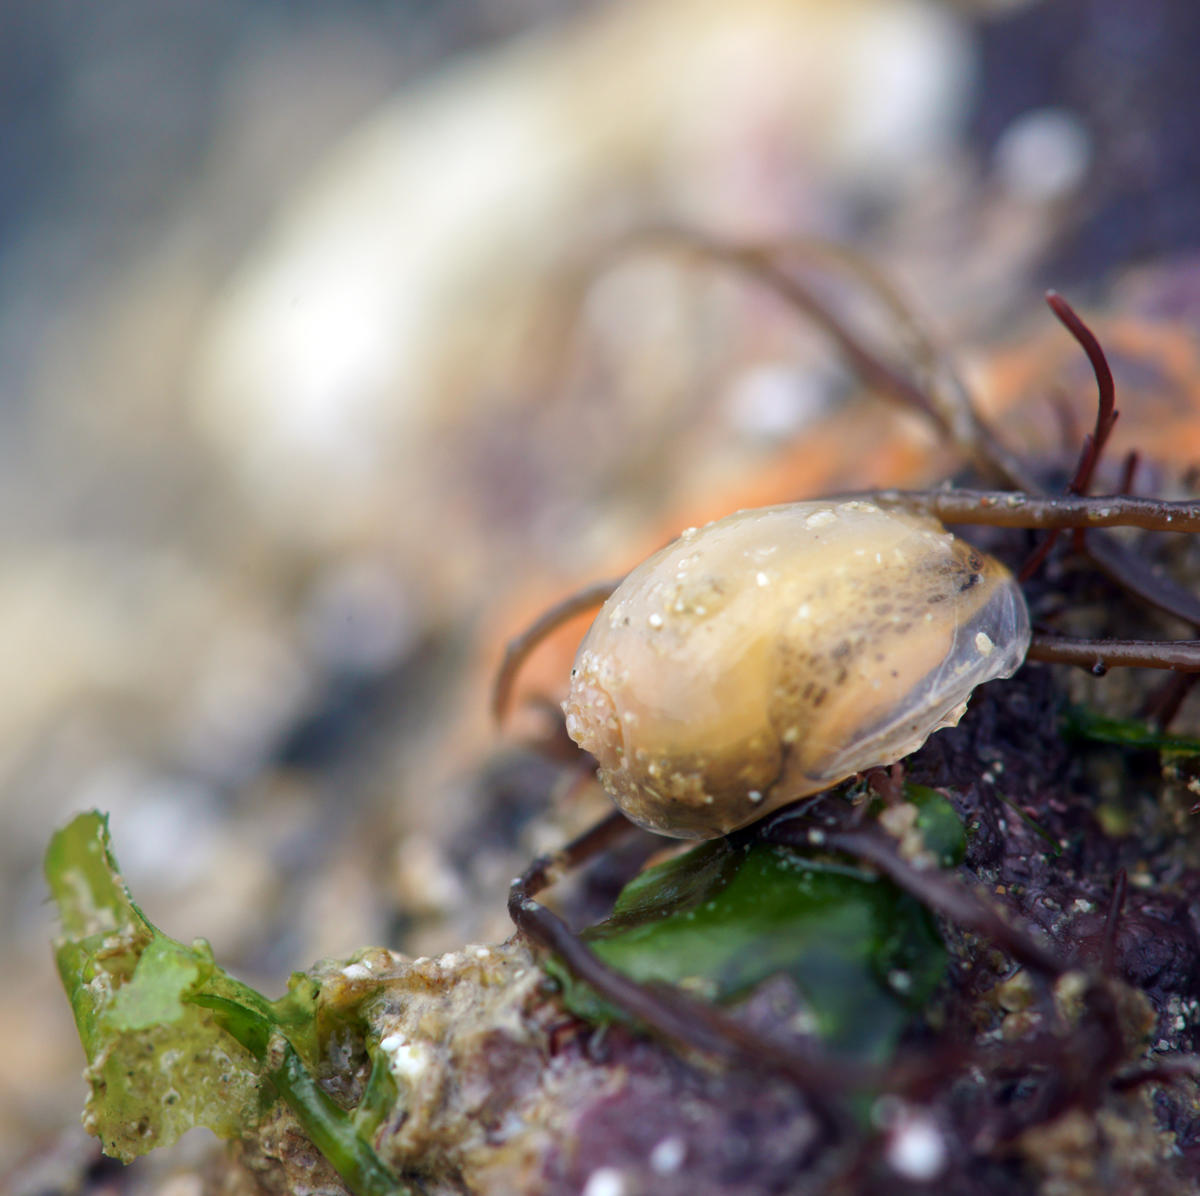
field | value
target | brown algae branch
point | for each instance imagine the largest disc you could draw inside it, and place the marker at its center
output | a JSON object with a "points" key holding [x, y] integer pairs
{"points": [[949, 408], [520, 646], [1181, 656], [1003, 508]]}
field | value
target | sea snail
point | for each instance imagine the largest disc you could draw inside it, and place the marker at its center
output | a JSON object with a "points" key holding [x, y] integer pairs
{"points": [[778, 651]]}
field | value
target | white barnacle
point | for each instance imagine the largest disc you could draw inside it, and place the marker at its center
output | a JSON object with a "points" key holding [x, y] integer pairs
{"points": [[407, 1060]]}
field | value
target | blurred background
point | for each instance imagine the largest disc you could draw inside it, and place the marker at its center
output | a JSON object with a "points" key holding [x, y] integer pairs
{"points": [[326, 363]]}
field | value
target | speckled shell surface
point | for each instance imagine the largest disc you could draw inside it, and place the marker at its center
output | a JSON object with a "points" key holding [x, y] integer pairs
{"points": [[777, 651]]}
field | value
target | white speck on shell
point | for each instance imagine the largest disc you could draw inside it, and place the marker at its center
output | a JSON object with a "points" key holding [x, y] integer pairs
{"points": [[820, 519], [356, 971], [983, 643]]}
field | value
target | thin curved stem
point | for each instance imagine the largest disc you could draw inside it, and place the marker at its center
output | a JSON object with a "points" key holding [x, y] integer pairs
{"points": [[520, 646], [1129, 470], [1106, 412], [955, 415], [549, 869], [1163, 704], [1093, 444], [667, 1010], [933, 888], [1132, 573]]}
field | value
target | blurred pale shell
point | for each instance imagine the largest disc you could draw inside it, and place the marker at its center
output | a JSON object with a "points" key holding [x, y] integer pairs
{"points": [[390, 291], [778, 651]]}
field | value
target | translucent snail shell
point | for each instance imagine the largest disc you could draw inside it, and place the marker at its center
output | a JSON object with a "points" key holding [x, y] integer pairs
{"points": [[778, 651]]}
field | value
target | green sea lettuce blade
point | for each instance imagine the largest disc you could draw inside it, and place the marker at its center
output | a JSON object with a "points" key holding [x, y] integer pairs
{"points": [[158, 1065], [173, 1042], [721, 919]]}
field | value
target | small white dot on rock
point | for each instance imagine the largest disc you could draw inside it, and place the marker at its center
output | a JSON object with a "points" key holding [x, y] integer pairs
{"points": [[918, 1151], [915, 1146], [667, 1157], [605, 1181]]}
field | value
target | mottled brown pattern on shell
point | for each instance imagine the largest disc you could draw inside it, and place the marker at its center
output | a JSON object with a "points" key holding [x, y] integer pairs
{"points": [[776, 651]]}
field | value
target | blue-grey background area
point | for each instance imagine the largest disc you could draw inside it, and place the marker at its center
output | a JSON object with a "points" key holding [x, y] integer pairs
{"points": [[107, 114]]}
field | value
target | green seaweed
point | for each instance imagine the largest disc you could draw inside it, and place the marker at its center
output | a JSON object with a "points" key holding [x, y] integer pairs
{"points": [[172, 1040], [939, 824], [721, 918], [1084, 723]]}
